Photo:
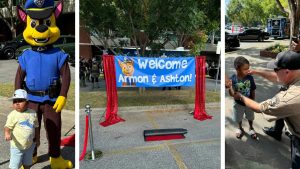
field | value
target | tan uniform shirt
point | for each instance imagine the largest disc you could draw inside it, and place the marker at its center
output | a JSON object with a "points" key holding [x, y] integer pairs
{"points": [[286, 105]]}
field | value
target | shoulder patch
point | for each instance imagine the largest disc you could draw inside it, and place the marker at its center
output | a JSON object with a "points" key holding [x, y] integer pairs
{"points": [[274, 101], [264, 106]]}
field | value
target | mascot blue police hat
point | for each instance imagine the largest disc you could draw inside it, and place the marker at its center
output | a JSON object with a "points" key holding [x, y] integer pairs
{"points": [[39, 9]]}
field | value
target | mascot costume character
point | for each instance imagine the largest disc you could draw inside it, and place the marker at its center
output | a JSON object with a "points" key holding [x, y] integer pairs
{"points": [[46, 71]]}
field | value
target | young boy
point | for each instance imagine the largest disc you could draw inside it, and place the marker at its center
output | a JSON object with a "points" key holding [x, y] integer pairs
{"points": [[19, 130], [243, 83]]}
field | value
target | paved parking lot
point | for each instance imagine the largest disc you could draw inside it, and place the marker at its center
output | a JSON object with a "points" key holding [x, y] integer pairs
{"points": [[124, 147]]}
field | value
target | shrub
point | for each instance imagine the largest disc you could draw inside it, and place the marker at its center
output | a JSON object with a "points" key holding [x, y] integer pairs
{"points": [[277, 48]]}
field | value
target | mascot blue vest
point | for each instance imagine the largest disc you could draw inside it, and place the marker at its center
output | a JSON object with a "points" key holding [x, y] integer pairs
{"points": [[46, 71]]}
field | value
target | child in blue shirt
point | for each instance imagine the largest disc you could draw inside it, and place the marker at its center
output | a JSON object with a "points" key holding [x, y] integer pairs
{"points": [[243, 83]]}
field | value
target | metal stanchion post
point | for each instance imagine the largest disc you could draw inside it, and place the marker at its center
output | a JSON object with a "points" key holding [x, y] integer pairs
{"points": [[88, 111]]}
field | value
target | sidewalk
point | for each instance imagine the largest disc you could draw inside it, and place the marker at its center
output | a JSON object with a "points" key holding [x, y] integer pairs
{"points": [[267, 153], [123, 144], [68, 121]]}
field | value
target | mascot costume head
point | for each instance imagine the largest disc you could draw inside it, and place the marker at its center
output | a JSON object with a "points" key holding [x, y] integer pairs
{"points": [[46, 71], [40, 18]]}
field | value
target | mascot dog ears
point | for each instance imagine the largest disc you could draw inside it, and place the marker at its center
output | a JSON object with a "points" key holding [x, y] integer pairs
{"points": [[46, 71]]}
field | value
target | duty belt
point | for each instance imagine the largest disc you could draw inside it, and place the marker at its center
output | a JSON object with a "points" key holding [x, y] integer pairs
{"points": [[37, 93]]}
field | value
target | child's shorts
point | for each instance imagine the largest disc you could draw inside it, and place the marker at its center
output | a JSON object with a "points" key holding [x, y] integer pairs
{"points": [[21, 157], [239, 111]]}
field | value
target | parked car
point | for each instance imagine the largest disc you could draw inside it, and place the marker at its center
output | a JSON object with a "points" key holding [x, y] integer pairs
{"points": [[65, 42], [254, 34], [8, 49], [231, 41]]}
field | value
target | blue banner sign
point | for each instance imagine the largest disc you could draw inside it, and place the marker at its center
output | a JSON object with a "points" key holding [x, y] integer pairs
{"points": [[154, 72]]}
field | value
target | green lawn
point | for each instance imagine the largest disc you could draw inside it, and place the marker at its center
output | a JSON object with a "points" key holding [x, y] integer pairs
{"points": [[6, 90], [150, 97]]}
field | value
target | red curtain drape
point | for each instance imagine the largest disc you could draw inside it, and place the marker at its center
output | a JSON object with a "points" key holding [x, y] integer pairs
{"points": [[199, 111], [111, 116], [68, 141]]}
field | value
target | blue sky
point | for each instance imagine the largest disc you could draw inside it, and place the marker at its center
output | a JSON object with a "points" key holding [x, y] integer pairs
{"points": [[226, 2]]}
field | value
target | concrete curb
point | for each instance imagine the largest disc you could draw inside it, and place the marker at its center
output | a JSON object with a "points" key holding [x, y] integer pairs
{"points": [[212, 105]]}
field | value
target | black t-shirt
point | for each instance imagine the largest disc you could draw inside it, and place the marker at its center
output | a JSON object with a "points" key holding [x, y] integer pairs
{"points": [[244, 86]]}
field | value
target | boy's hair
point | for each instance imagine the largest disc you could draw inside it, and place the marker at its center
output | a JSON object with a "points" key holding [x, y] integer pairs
{"points": [[240, 61]]}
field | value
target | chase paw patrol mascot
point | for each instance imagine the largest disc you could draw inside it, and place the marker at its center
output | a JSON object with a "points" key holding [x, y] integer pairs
{"points": [[46, 72]]}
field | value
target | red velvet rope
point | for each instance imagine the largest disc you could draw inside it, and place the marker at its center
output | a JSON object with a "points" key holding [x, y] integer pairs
{"points": [[86, 135]]}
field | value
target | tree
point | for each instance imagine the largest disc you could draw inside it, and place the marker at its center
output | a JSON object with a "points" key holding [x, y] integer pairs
{"points": [[146, 22], [212, 11], [11, 21], [293, 13], [100, 17], [252, 12]]}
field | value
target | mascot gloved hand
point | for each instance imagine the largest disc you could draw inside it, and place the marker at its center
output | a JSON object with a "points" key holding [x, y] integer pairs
{"points": [[59, 104], [46, 71]]}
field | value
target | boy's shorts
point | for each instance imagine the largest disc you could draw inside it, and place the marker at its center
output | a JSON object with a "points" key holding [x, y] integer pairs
{"points": [[21, 157], [239, 111]]}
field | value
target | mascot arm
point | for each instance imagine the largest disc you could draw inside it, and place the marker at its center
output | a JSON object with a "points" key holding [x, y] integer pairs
{"points": [[20, 76], [66, 78]]}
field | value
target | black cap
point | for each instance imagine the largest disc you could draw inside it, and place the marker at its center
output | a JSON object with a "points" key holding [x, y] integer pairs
{"points": [[286, 60]]}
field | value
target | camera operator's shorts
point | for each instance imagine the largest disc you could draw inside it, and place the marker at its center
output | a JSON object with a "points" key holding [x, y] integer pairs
{"points": [[21, 157], [240, 110]]}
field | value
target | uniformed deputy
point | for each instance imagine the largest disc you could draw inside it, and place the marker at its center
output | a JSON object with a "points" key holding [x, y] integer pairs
{"points": [[276, 130], [286, 103]]}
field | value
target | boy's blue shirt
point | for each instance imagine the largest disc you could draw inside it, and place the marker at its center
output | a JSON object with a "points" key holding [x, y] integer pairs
{"points": [[244, 86]]}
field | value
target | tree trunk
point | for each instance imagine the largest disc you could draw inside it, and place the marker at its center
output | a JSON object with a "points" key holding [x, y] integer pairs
{"points": [[297, 19], [180, 40], [13, 32], [294, 18], [212, 38]]}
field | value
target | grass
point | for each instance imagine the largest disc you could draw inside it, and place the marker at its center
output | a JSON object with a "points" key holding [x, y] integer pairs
{"points": [[6, 90], [150, 97]]}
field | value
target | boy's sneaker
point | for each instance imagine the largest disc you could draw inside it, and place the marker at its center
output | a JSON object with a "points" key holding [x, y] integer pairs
{"points": [[271, 132]]}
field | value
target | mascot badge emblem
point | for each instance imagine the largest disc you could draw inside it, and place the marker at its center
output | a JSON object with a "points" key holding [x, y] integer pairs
{"points": [[46, 71], [39, 3]]}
